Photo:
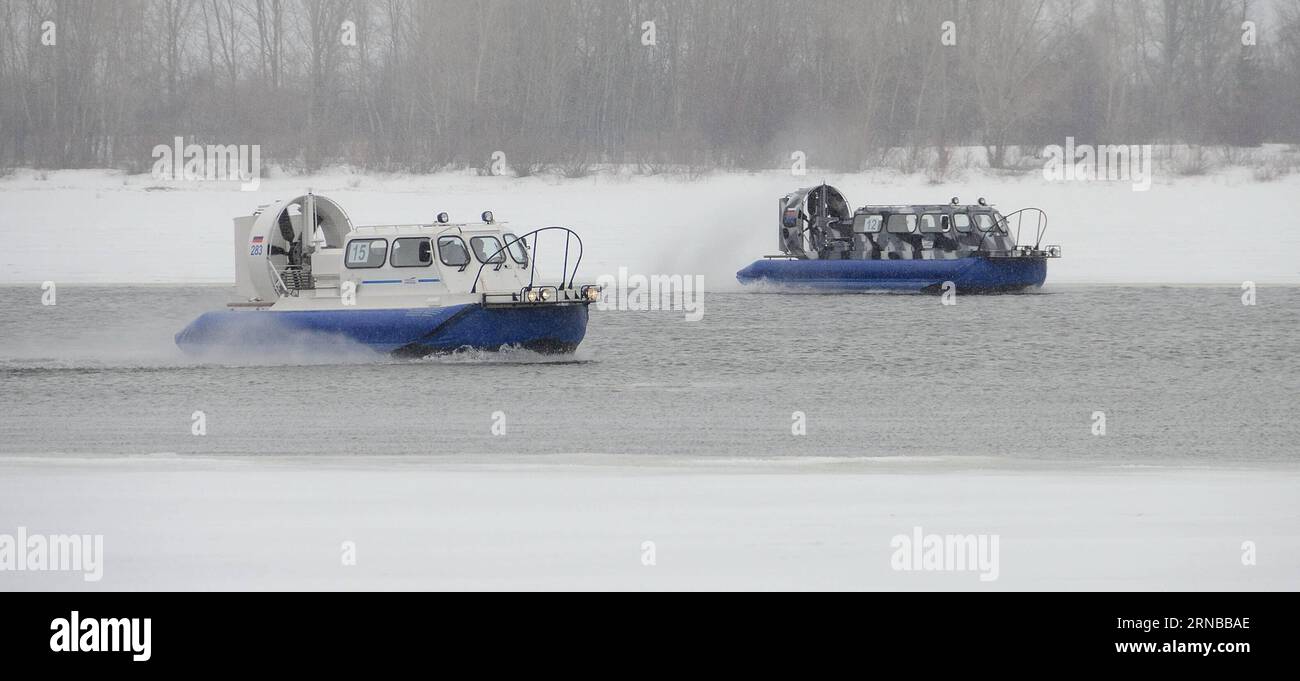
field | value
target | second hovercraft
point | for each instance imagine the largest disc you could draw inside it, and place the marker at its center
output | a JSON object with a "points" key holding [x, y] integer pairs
{"points": [[827, 246]]}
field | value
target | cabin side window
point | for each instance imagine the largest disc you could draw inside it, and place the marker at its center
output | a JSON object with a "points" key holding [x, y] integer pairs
{"points": [[487, 249], [866, 223], [984, 221], [452, 251], [366, 253], [902, 223], [934, 223], [411, 253], [518, 249], [961, 221]]}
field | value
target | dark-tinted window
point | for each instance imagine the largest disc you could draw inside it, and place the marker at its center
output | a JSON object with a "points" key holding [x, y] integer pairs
{"points": [[931, 223], [487, 249], [901, 223], [518, 249], [366, 253], [411, 253], [868, 223], [452, 252]]}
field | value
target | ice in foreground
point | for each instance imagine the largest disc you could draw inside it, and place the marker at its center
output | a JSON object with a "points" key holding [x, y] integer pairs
{"points": [[569, 523]]}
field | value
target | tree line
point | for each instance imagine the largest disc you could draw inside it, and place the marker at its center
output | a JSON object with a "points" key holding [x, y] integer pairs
{"points": [[418, 85]]}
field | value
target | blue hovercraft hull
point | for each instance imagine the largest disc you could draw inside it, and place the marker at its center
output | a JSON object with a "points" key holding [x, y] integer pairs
{"points": [[976, 274], [404, 331]]}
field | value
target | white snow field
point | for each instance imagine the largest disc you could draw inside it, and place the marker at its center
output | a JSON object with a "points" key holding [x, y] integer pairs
{"points": [[105, 227], [172, 522]]}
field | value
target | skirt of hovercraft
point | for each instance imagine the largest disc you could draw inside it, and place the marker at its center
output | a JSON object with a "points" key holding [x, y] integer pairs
{"points": [[403, 332], [978, 274]]}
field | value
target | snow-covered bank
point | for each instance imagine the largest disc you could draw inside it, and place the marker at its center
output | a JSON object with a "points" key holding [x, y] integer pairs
{"points": [[183, 523], [100, 226]]}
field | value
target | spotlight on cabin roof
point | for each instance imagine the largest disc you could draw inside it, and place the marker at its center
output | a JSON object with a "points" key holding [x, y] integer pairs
{"points": [[955, 201], [983, 202], [487, 216], [444, 218]]}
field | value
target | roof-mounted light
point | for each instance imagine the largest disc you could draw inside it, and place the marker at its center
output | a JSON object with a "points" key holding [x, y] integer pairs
{"points": [[443, 218], [983, 202], [487, 216]]}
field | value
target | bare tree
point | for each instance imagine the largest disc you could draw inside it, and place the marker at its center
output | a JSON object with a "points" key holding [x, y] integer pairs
{"points": [[568, 83]]}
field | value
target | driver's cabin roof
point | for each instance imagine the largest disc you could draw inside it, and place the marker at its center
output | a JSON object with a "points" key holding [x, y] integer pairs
{"points": [[925, 208], [424, 229]]}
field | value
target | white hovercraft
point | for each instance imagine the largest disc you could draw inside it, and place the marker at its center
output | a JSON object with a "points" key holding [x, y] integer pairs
{"points": [[303, 270]]}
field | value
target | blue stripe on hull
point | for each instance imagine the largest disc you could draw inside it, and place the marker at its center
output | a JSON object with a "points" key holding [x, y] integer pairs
{"points": [[550, 328], [972, 274]]}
